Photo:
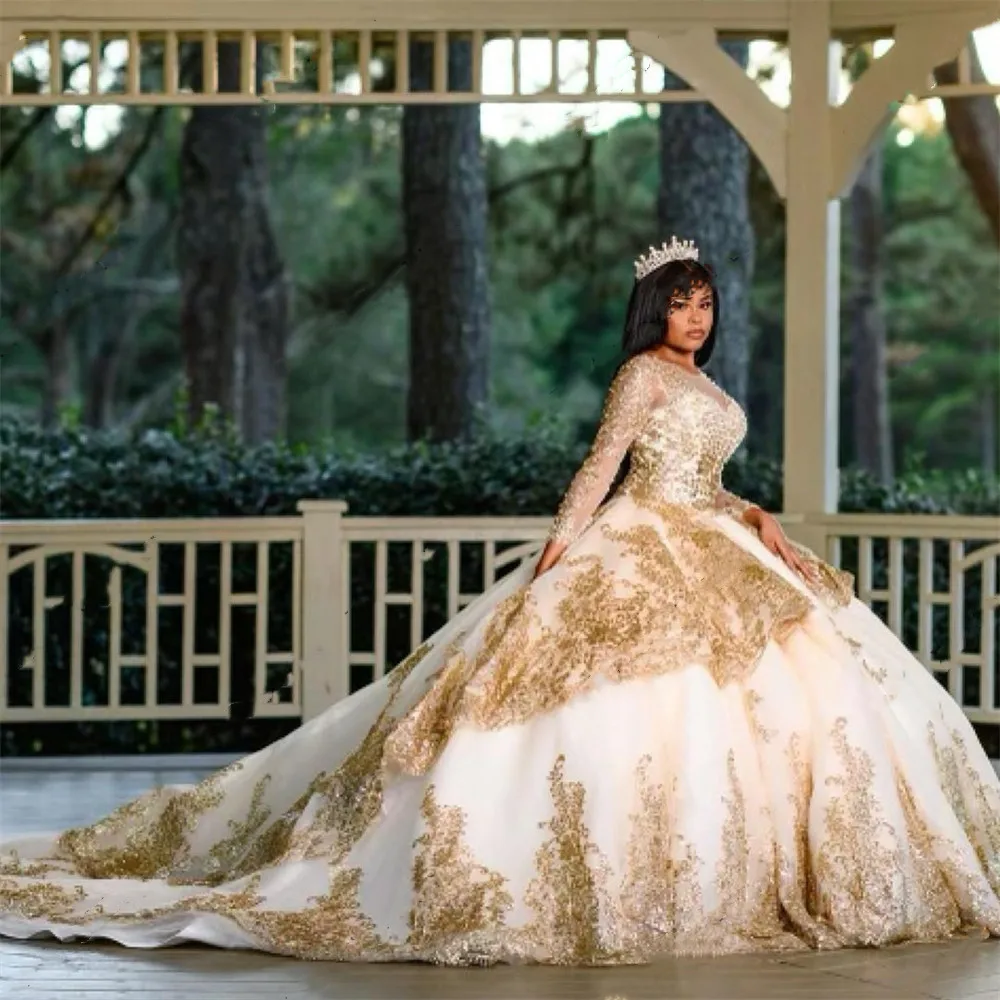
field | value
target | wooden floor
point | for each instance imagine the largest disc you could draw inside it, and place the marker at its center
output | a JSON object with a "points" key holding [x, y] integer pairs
{"points": [[51, 797]]}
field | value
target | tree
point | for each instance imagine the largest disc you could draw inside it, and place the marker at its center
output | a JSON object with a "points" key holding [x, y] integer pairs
{"points": [[703, 195], [865, 306], [567, 214], [942, 304], [973, 124], [235, 319], [447, 278], [63, 204]]}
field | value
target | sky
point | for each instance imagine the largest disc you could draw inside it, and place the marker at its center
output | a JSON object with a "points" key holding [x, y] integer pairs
{"points": [[503, 122]]}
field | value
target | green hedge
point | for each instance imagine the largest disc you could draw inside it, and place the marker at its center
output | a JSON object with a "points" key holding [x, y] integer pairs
{"points": [[72, 472]]}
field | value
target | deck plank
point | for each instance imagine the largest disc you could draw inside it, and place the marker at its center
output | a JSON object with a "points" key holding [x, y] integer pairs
{"points": [[34, 800]]}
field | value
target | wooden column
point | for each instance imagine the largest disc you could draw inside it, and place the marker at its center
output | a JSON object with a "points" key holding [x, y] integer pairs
{"points": [[812, 278]]}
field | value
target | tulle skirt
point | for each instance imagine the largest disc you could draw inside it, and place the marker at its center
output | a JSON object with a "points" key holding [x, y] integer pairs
{"points": [[667, 744]]}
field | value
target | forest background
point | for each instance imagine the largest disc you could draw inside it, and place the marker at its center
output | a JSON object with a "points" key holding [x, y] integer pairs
{"points": [[224, 310], [350, 278]]}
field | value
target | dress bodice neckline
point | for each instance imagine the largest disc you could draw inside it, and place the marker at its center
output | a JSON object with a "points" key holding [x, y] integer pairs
{"points": [[717, 394]]}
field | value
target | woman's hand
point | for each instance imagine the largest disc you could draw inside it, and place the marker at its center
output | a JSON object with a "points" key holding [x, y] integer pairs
{"points": [[775, 540], [549, 557]]}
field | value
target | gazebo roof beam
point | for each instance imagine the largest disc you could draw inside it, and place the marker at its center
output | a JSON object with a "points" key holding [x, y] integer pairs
{"points": [[752, 18]]}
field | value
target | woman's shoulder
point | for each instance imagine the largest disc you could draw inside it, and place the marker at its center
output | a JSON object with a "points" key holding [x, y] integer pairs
{"points": [[638, 365], [640, 375]]}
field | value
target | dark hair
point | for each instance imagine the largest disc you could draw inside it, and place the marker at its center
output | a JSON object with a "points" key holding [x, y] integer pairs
{"points": [[646, 316], [646, 321]]}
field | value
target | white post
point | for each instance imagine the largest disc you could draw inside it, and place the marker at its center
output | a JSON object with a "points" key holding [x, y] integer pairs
{"points": [[10, 42], [324, 667], [812, 275]]}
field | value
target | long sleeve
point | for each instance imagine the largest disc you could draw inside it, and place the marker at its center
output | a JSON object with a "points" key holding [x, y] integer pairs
{"points": [[730, 503], [626, 408]]}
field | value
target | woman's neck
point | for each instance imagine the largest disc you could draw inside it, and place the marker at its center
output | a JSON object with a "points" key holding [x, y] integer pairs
{"points": [[683, 359]]}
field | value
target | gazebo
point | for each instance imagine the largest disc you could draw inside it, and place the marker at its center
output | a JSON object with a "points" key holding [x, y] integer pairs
{"points": [[811, 150]]}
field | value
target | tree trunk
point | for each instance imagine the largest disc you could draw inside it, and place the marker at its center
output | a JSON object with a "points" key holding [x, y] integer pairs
{"points": [[974, 126], [447, 278], [234, 290], [102, 383], [100, 392], [704, 177], [991, 446], [55, 344], [870, 410]]}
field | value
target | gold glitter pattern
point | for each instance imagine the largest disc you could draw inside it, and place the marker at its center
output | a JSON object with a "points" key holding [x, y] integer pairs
{"points": [[13, 865], [661, 745], [679, 428], [224, 855], [858, 863], [627, 408], [156, 833], [416, 741], [661, 892], [974, 801], [48, 900], [144, 838], [350, 796], [569, 894], [693, 597], [798, 889], [453, 896]]}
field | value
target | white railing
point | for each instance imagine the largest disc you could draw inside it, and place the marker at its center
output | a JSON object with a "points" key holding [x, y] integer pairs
{"points": [[931, 566], [138, 619], [161, 61], [117, 553]]}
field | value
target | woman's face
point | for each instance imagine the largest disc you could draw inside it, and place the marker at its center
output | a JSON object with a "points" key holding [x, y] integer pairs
{"points": [[689, 320]]}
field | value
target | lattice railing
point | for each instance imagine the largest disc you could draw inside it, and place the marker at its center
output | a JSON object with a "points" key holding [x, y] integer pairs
{"points": [[282, 616], [109, 620], [422, 571], [933, 580], [330, 67], [181, 66]]}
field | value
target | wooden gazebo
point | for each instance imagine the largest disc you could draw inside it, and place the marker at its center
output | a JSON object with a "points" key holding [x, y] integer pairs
{"points": [[811, 149]]}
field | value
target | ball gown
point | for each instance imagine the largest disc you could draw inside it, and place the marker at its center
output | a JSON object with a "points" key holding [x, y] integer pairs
{"points": [[668, 743]]}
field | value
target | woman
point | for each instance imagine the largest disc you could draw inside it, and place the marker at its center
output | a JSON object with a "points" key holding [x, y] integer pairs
{"points": [[678, 733]]}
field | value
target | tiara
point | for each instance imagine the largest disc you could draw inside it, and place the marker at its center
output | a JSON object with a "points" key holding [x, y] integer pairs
{"points": [[674, 250]]}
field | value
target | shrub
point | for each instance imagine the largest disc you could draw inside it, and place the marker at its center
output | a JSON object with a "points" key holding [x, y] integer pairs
{"points": [[73, 472]]}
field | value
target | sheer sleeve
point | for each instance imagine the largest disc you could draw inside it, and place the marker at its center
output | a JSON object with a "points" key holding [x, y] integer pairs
{"points": [[626, 408], [731, 504]]}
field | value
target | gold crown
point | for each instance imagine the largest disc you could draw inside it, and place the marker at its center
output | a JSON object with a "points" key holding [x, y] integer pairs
{"points": [[658, 256]]}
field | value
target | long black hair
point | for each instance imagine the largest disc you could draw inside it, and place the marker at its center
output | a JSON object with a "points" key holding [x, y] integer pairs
{"points": [[649, 303], [646, 320]]}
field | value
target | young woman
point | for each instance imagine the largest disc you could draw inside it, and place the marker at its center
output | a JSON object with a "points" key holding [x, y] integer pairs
{"points": [[678, 733]]}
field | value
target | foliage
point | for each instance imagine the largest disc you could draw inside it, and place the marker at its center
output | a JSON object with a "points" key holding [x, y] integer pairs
{"points": [[76, 472], [567, 215], [943, 308], [88, 332]]}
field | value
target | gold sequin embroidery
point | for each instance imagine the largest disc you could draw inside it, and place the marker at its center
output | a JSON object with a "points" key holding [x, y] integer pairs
{"points": [[454, 898]]}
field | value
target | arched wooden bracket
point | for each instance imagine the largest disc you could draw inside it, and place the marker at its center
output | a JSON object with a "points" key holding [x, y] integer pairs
{"points": [[921, 44], [695, 56]]}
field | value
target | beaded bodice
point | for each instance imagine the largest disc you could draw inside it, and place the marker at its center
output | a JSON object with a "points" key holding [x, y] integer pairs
{"points": [[679, 428], [685, 440]]}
